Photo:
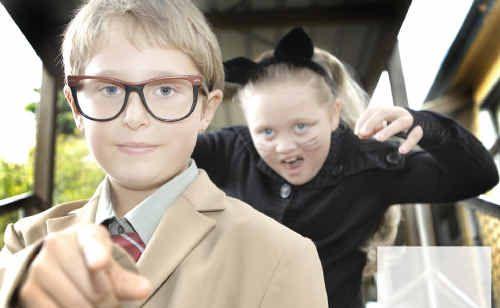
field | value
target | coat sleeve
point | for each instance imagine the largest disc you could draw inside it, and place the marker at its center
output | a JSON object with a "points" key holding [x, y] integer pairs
{"points": [[214, 151], [15, 259], [452, 166], [297, 280]]}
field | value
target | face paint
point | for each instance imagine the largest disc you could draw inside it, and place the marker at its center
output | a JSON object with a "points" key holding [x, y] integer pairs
{"points": [[296, 157], [310, 144], [290, 132]]}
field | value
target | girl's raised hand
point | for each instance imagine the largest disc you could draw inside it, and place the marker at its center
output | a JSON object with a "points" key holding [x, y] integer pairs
{"points": [[382, 123]]}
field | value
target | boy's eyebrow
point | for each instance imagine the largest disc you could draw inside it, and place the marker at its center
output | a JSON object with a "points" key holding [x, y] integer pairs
{"points": [[114, 73]]}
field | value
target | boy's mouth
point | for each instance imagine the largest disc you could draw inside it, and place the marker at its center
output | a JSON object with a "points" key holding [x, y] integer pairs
{"points": [[134, 148]]}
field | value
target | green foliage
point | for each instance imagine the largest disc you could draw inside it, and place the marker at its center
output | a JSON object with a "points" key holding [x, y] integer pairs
{"points": [[15, 179], [65, 124], [31, 107], [76, 174]]}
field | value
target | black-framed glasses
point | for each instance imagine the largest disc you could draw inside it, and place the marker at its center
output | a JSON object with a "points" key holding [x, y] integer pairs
{"points": [[167, 99]]}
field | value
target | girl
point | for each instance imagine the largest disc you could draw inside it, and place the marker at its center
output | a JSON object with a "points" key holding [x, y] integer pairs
{"points": [[299, 162]]}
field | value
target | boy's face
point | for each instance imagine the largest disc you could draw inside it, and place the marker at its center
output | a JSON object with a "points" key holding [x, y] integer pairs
{"points": [[136, 150]]}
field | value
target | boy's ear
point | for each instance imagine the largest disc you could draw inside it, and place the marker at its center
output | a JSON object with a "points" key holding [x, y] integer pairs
{"points": [[214, 99], [76, 115]]}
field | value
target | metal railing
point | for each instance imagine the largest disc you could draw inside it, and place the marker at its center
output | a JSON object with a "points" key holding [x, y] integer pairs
{"points": [[24, 202]]}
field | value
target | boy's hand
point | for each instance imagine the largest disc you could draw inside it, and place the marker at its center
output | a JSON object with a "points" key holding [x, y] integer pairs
{"points": [[382, 123], [74, 268]]}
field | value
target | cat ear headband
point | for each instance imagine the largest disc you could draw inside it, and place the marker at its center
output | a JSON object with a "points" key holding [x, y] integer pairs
{"points": [[295, 48]]}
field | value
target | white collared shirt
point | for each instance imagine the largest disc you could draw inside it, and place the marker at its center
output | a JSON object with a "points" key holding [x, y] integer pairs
{"points": [[146, 216]]}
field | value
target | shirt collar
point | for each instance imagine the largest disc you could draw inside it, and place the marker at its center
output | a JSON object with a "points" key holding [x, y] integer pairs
{"points": [[146, 216]]}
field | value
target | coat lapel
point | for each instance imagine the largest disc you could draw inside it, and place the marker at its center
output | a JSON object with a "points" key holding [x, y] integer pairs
{"points": [[84, 212], [181, 229]]}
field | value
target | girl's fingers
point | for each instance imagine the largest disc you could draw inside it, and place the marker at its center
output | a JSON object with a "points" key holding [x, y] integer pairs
{"points": [[362, 118], [371, 119], [412, 140], [394, 128], [373, 124]]}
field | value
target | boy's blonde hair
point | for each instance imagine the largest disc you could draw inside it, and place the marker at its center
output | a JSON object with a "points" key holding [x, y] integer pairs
{"points": [[159, 23]]}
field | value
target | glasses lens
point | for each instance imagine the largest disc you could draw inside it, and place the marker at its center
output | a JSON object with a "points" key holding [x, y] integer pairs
{"points": [[100, 99], [169, 99]]}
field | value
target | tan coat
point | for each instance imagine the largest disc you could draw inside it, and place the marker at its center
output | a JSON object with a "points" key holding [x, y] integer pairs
{"points": [[209, 250]]}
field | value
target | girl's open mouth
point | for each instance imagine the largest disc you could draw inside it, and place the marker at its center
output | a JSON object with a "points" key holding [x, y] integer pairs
{"points": [[293, 163]]}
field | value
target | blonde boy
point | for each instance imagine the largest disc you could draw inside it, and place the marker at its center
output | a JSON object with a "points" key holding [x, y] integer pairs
{"points": [[143, 79]]}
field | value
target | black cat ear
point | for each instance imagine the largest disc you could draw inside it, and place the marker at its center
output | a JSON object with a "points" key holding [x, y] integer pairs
{"points": [[296, 44], [239, 70]]}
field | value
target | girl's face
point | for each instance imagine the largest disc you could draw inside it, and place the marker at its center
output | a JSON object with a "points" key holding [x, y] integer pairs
{"points": [[290, 129]]}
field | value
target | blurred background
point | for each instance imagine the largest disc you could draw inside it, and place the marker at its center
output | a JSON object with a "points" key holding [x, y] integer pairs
{"points": [[437, 55]]}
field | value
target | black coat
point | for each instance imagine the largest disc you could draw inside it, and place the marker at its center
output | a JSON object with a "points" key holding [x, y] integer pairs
{"points": [[343, 205]]}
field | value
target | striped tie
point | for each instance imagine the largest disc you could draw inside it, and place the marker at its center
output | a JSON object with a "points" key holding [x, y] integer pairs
{"points": [[124, 235], [131, 242]]}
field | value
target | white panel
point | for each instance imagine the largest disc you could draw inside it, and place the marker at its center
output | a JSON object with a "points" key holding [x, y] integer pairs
{"points": [[432, 277]]}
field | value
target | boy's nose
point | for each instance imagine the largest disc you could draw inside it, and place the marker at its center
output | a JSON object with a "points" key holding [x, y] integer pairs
{"points": [[135, 114]]}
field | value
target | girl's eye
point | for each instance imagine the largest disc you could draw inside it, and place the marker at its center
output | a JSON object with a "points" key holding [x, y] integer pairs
{"points": [[110, 90], [301, 127], [267, 132], [164, 91]]}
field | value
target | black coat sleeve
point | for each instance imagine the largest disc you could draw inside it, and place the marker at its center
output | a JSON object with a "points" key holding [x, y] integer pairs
{"points": [[453, 165], [214, 153]]}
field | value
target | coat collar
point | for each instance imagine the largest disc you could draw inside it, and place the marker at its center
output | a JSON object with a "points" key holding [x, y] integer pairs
{"points": [[180, 230], [84, 214]]}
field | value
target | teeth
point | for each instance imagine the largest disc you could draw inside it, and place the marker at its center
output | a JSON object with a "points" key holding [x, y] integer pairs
{"points": [[292, 160]]}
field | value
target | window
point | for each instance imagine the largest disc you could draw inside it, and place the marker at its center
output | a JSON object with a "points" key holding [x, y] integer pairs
{"points": [[425, 37], [20, 78]]}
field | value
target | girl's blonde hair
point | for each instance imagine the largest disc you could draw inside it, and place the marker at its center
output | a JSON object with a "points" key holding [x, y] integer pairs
{"points": [[159, 23], [354, 100]]}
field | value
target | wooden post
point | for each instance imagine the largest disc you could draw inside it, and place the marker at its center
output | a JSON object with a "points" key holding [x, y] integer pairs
{"points": [[45, 143], [420, 230]]}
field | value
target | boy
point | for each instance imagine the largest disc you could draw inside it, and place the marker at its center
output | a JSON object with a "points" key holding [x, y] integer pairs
{"points": [[143, 78]]}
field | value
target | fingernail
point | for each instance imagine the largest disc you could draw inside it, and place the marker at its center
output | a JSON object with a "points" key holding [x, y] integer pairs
{"points": [[145, 284], [94, 254]]}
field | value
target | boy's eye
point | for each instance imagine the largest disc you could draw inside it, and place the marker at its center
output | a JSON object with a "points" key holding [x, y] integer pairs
{"points": [[110, 90], [300, 127], [164, 91]]}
